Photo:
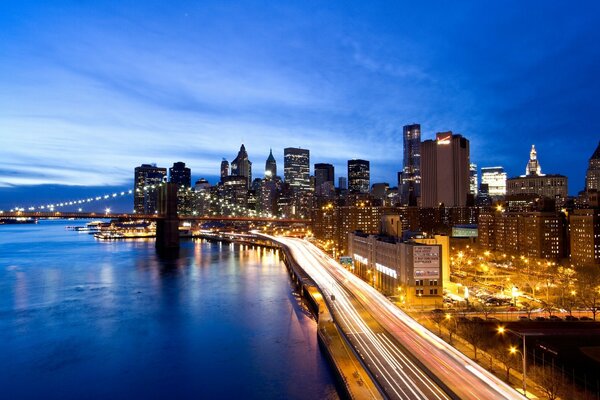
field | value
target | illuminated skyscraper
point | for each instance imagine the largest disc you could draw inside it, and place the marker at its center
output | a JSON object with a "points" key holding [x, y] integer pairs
{"points": [[445, 171], [324, 179], [296, 168], [410, 189], [495, 178], [473, 179], [146, 175], [180, 174], [535, 184], [359, 176], [242, 166], [592, 178], [270, 166]]}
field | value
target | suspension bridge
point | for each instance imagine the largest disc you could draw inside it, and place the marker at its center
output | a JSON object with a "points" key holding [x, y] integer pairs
{"points": [[166, 217]]}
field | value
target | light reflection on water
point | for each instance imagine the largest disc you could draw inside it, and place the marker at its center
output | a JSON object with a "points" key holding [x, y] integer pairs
{"points": [[83, 319]]}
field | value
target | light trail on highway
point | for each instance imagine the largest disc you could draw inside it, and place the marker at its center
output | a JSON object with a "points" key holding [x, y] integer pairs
{"points": [[389, 341]]}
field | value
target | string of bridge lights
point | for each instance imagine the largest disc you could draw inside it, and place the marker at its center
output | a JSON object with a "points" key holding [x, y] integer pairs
{"points": [[223, 204]]}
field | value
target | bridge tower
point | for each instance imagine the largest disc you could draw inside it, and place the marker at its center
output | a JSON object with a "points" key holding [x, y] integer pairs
{"points": [[167, 227]]}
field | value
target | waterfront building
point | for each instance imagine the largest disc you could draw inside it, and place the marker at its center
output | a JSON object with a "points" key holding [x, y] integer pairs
{"points": [[342, 183], [535, 184], [202, 191], [495, 179], [592, 178], [146, 175], [242, 166], [585, 236], [180, 175], [270, 166], [473, 180], [410, 270], [359, 176], [410, 182], [445, 171]]}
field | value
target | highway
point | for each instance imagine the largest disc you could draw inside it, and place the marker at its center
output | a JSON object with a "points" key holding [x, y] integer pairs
{"points": [[388, 340]]}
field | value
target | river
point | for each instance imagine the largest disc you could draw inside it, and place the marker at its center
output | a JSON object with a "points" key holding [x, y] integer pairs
{"points": [[83, 319]]}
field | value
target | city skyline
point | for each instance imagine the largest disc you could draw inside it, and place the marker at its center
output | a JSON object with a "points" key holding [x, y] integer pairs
{"points": [[133, 100]]}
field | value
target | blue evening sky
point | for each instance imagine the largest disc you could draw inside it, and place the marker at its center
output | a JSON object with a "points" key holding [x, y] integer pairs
{"points": [[90, 89]]}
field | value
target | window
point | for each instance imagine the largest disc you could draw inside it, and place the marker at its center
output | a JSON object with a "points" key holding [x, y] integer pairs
{"points": [[433, 282], [419, 282], [432, 291], [419, 292]]}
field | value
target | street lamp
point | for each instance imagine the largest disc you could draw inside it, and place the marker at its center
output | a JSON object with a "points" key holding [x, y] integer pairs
{"points": [[513, 350]]}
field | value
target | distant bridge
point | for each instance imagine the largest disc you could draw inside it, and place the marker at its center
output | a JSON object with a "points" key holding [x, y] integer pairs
{"points": [[126, 216]]}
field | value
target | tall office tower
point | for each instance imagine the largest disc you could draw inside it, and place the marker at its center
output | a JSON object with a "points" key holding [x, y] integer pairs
{"points": [[533, 165], [342, 183], [410, 188], [535, 184], [270, 166], [495, 178], [146, 175], [242, 166], [224, 169], [180, 174], [359, 176], [296, 168], [592, 178], [324, 173], [445, 171], [473, 179]]}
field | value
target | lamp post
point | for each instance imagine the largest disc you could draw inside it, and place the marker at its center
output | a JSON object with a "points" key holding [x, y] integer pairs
{"points": [[514, 350]]}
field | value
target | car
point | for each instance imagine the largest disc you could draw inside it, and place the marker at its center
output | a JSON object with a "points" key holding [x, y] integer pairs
{"points": [[524, 318], [540, 319], [555, 318], [477, 319], [492, 319], [571, 318], [585, 319], [437, 311]]}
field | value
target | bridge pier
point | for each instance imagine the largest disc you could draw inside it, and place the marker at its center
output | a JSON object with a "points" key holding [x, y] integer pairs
{"points": [[167, 226]]}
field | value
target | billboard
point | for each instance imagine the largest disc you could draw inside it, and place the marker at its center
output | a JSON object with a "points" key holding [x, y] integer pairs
{"points": [[426, 262]]}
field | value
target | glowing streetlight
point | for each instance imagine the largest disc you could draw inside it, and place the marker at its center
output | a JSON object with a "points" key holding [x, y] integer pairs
{"points": [[514, 350], [107, 211]]}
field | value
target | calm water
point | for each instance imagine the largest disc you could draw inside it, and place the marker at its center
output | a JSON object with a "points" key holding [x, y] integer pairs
{"points": [[85, 319]]}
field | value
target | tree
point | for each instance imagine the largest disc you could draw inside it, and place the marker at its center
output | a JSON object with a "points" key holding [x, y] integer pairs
{"points": [[500, 350], [475, 334], [438, 318], [588, 285], [549, 380], [451, 325]]}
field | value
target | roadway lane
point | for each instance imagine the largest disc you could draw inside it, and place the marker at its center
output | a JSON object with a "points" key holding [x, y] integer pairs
{"points": [[396, 373], [375, 327]]}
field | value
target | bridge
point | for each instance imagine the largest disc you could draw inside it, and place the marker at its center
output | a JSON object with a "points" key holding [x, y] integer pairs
{"points": [[167, 218], [147, 217]]}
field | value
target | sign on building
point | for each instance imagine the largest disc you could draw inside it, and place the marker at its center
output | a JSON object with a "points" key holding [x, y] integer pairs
{"points": [[426, 262]]}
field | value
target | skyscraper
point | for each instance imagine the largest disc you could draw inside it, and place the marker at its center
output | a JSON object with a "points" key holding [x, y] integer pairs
{"points": [[533, 165], [359, 176], [445, 171], [242, 166], [495, 178], [411, 170], [296, 168], [270, 166], [146, 175], [224, 169], [180, 174], [592, 178], [324, 179], [473, 179], [342, 183], [535, 184]]}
